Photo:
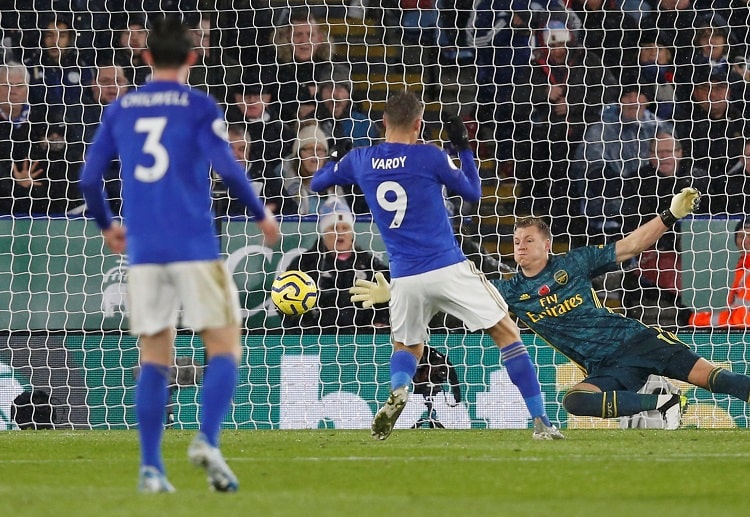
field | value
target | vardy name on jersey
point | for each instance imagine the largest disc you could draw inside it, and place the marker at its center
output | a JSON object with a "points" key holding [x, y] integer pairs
{"points": [[389, 163]]}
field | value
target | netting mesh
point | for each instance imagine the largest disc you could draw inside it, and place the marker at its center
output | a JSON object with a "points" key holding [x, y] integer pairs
{"points": [[590, 113]]}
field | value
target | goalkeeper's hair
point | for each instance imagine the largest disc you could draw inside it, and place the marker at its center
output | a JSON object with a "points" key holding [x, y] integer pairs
{"points": [[536, 222], [169, 42], [403, 108]]}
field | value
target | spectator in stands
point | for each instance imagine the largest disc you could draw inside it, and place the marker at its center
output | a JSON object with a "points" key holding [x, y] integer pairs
{"points": [[212, 73], [655, 74], [611, 33], [338, 115], [453, 31], [310, 151], [269, 186], [129, 55], [567, 88], [613, 150], [348, 126], [37, 174], [738, 184], [711, 126], [335, 262], [656, 275], [676, 21], [251, 105], [502, 39], [304, 57], [108, 83], [736, 315], [57, 72], [712, 48]]}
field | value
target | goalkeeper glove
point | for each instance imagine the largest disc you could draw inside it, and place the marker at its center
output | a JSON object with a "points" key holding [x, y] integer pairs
{"points": [[340, 149], [684, 203], [457, 133], [370, 293]]}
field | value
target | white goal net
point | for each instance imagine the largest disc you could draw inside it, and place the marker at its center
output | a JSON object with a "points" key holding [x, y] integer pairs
{"points": [[588, 113]]}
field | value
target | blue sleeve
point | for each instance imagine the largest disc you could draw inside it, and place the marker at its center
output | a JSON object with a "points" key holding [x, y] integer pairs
{"points": [[333, 173], [99, 156], [464, 181], [214, 143]]}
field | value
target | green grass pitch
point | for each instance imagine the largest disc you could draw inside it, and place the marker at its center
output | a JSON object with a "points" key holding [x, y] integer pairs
{"points": [[691, 472]]}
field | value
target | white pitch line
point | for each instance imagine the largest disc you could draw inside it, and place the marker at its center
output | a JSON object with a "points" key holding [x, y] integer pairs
{"points": [[320, 459]]}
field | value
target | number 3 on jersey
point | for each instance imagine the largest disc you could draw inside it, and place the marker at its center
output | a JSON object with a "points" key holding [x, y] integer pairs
{"points": [[398, 203], [154, 128]]}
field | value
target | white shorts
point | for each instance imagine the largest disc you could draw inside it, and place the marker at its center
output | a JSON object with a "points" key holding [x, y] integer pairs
{"points": [[203, 290], [459, 290]]}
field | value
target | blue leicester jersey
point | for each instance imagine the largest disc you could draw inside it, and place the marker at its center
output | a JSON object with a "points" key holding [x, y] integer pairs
{"points": [[561, 307], [167, 136], [403, 186]]}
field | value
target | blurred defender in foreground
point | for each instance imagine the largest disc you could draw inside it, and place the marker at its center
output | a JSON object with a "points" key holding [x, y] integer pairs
{"points": [[166, 135]]}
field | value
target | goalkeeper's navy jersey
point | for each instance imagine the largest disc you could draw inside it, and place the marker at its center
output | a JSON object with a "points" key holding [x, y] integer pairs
{"points": [[167, 136], [403, 187], [560, 305]]}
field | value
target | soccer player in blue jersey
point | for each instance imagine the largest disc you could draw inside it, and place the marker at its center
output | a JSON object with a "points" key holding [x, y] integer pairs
{"points": [[553, 295], [166, 136], [403, 184]]}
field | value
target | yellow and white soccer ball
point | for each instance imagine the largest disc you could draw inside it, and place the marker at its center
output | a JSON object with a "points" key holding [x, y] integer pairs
{"points": [[294, 293]]}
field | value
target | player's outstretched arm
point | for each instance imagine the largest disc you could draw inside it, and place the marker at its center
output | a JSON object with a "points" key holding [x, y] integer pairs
{"points": [[645, 236]]}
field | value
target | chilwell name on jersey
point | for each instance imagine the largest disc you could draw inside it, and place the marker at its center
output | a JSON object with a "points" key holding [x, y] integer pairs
{"points": [[553, 308], [168, 98], [389, 163]]}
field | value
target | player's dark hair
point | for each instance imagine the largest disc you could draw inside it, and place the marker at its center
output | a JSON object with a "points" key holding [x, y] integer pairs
{"points": [[536, 222], [169, 42], [403, 108]]}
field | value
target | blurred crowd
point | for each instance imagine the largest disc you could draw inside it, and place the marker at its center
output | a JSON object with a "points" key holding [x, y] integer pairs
{"points": [[597, 109]]}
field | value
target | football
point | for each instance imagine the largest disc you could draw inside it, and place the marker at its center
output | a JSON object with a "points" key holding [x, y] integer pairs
{"points": [[294, 293]]}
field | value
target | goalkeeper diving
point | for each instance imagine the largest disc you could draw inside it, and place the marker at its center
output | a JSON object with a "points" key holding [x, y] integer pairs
{"points": [[553, 296]]}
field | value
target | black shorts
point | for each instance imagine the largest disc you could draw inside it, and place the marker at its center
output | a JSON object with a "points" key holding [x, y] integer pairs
{"points": [[653, 351]]}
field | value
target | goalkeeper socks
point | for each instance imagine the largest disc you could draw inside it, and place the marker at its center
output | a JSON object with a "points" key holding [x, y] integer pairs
{"points": [[216, 396], [403, 368], [721, 380], [521, 371], [610, 404], [151, 396]]}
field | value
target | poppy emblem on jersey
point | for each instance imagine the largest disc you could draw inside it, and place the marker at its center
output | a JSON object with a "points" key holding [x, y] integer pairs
{"points": [[561, 277], [543, 291]]}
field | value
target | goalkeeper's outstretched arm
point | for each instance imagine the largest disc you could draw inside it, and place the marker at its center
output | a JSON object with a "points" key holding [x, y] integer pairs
{"points": [[645, 236]]}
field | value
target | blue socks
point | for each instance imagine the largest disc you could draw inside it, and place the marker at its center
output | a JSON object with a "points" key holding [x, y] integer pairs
{"points": [[216, 396], [403, 368], [151, 396], [521, 371]]}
